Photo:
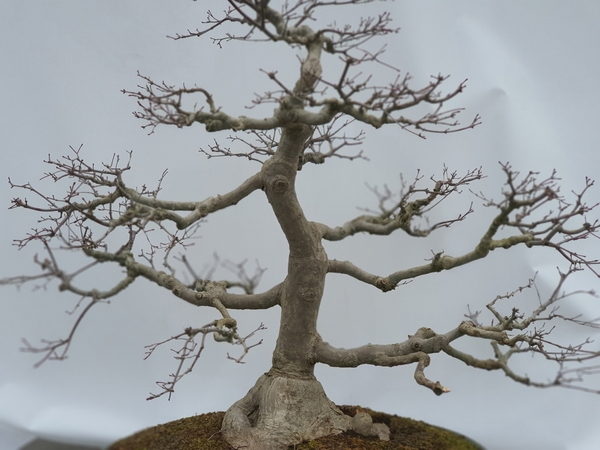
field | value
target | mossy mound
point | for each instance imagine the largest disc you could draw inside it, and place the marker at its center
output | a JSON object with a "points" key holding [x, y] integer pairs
{"points": [[202, 432]]}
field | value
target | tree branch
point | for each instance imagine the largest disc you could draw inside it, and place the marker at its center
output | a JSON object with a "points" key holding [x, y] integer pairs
{"points": [[534, 208], [355, 96], [189, 352], [536, 341], [163, 209], [399, 212], [568, 357], [413, 350]]}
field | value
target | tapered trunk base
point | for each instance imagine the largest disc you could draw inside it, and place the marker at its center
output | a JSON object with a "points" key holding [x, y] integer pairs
{"points": [[280, 411]]}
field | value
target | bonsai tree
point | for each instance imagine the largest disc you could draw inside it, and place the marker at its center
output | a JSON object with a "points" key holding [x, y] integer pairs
{"points": [[102, 217]]}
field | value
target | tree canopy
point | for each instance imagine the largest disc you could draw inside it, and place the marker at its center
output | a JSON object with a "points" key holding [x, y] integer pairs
{"points": [[102, 217]]}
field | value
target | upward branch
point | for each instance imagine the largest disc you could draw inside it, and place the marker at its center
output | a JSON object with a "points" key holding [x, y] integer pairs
{"points": [[401, 211]]}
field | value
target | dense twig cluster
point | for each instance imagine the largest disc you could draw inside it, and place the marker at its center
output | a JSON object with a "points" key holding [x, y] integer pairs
{"points": [[355, 94], [537, 210], [275, 26], [533, 332], [102, 217]]}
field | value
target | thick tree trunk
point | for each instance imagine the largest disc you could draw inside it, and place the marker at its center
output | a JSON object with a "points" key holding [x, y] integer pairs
{"points": [[288, 405], [303, 287], [280, 411]]}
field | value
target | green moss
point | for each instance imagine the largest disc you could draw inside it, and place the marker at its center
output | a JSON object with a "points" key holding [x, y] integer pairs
{"points": [[203, 433]]}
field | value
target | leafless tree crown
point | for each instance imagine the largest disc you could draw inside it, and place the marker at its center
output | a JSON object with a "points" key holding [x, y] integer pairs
{"points": [[103, 218]]}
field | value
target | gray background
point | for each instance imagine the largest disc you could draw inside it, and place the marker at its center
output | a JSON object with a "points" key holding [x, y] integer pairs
{"points": [[532, 69]]}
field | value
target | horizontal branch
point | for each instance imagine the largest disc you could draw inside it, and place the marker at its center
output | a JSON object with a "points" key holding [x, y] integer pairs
{"points": [[205, 297], [518, 332], [413, 350], [438, 263], [509, 331], [532, 207], [163, 104]]}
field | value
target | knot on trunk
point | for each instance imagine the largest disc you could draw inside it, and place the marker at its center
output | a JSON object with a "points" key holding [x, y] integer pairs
{"points": [[280, 184]]}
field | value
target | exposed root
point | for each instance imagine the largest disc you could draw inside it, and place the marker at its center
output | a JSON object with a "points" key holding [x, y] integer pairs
{"points": [[279, 411]]}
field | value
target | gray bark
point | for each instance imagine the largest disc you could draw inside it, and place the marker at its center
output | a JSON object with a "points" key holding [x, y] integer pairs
{"points": [[280, 411], [288, 405]]}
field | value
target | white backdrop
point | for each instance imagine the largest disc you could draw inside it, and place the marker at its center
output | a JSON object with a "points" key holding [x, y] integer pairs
{"points": [[532, 69]]}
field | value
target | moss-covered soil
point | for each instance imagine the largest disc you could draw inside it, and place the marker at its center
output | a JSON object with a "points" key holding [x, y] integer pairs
{"points": [[202, 433]]}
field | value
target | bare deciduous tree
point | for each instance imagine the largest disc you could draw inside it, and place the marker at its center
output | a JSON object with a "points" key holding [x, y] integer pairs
{"points": [[109, 222]]}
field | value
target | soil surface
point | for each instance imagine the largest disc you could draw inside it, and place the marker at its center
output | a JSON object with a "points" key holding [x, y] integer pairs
{"points": [[202, 432]]}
